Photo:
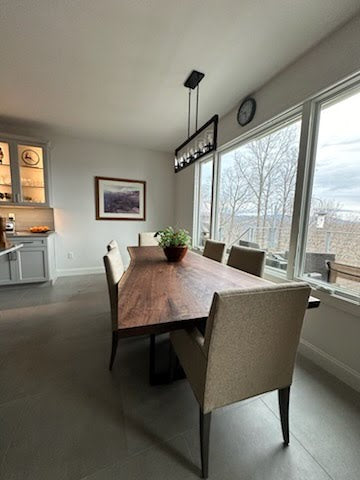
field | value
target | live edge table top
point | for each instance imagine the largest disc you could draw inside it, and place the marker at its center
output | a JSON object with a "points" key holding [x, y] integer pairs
{"points": [[157, 296]]}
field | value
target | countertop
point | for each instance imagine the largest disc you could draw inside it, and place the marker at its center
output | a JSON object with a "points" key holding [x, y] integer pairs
{"points": [[11, 248], [26, 233]]}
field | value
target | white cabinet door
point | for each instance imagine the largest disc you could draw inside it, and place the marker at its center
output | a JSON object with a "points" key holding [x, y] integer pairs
{"points": [[24, 172], [33, 264], [8, 269]]}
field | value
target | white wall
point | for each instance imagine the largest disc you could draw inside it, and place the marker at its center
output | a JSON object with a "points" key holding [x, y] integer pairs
{"points": [[329, 62], [330, 335], [74, 164]]}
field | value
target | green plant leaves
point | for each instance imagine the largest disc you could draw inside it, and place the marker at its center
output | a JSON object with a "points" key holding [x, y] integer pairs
{"points": [[173, 238]]}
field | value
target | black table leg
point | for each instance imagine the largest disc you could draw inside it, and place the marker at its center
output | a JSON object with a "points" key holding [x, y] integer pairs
{"points": [[171, 370]]}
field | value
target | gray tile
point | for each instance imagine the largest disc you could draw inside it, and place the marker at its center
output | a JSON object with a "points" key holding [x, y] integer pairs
{"points": [[63, 415], [246, 443], [325, 418], [10, 416], [67, 434], [170, 460]]}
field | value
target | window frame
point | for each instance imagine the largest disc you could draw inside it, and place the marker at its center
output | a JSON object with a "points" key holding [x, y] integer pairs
{"points": [[196, 209], [308, 111], [307, 156], [264, 129]]}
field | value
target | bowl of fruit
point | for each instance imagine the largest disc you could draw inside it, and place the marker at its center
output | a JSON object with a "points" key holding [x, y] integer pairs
{"points": [[40, 229]]}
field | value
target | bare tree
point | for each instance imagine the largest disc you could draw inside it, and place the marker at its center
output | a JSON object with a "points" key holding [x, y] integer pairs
{"points": [[261, 163], [234, 197]]}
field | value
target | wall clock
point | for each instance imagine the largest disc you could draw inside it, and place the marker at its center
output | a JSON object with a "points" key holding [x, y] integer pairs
{"points": [[246, 111], [30, 157]]}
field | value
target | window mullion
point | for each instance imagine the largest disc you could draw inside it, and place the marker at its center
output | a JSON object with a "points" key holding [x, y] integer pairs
{"points": [[214, 198], [306, 189], [306, 128]]}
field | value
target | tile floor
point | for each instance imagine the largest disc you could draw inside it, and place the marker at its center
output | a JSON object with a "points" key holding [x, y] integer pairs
{"points": [[63, 416]]}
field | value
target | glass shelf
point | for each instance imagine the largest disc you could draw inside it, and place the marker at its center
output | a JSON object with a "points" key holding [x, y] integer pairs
{"points": [[33, 168]]}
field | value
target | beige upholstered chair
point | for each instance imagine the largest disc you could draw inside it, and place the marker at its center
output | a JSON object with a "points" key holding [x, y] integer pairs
{"points": [[111, 245], [250, 260], [249, 348], [147, 239], [214, 250], [114, 268]]}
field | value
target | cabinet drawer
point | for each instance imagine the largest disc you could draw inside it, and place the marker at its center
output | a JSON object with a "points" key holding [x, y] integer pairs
{"points": [[29, 242]]}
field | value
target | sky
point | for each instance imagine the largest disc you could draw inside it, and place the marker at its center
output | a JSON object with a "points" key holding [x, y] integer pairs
{"points": [[337, 170]]}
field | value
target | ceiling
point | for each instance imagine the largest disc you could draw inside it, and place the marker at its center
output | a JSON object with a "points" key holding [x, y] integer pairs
{"points": [[114, 69]]}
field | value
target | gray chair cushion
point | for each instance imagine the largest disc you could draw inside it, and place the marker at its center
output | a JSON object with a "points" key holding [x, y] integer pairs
{"points": [[147, 239], [214, 250], [114, 268], [250, 260], [250, 344]]}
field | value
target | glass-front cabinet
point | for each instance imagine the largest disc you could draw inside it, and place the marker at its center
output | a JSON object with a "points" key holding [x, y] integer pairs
{"points": [[23, 172], [6, 193]]}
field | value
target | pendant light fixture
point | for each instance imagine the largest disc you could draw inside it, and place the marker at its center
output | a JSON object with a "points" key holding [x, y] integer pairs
{"points": [[204, 139]]}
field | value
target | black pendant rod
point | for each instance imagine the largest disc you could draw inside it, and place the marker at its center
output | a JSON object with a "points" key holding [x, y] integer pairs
{"points": [[189, 107], [197, 108]]}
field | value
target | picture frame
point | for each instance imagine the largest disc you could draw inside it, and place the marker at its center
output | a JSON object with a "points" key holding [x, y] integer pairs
{"points": [[120, 199]]}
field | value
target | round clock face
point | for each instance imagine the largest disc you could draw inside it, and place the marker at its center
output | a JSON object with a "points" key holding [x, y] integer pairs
{"points": [[246, 111], [30, 157]]}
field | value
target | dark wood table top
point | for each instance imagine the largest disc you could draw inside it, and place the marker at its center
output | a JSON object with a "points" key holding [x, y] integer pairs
{"points": [[157, 296]]}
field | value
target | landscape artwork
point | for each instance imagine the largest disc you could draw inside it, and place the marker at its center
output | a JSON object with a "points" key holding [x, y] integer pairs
{"points": [[120, 199]]}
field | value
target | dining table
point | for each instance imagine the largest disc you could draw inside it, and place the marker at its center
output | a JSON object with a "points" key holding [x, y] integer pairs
{"points": [[156, 296]]}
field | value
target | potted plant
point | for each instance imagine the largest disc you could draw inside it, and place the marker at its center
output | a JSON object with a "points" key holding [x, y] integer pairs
{"points": [[175, 243]]}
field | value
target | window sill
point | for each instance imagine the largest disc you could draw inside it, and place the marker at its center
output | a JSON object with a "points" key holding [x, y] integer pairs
{"points": [[275, 275], [333, 300], [327, 298]]}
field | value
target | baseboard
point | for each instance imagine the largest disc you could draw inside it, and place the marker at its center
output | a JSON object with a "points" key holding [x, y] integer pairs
{"points": [[343, 372], [68, 272]]}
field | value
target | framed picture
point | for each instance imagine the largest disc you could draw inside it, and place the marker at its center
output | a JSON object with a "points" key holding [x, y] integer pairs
{"points": [[120, 199]]}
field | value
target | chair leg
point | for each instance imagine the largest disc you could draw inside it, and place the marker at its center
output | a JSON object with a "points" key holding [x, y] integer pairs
{"points": [[284, 395], [205, 420], [115, 339]]}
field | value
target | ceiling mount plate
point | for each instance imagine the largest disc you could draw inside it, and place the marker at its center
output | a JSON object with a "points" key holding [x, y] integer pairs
{"points": [[194, 79]]}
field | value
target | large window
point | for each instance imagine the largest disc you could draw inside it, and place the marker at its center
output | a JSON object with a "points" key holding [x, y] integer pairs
{"points": [[256, 192], [331, 245], [292, 188]]}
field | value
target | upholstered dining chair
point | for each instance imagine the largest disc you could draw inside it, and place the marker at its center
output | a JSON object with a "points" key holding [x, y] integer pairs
{"points": [[249, 348], [214, 250], [111, 245], [114, 268], [250, 260], [148, 239]]}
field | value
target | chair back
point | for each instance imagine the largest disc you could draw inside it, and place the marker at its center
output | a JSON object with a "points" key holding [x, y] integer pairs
{"points": [[251, 340], [114, 268], [111, 245], [147, 239], [250, 260], [214, 250]]}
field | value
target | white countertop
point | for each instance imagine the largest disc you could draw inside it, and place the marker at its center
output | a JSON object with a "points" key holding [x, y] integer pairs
{"points": [[27, 233], [12, 248]]}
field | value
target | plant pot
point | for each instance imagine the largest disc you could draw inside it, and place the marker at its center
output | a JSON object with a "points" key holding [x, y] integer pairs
{"points": [[175, 254]]}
